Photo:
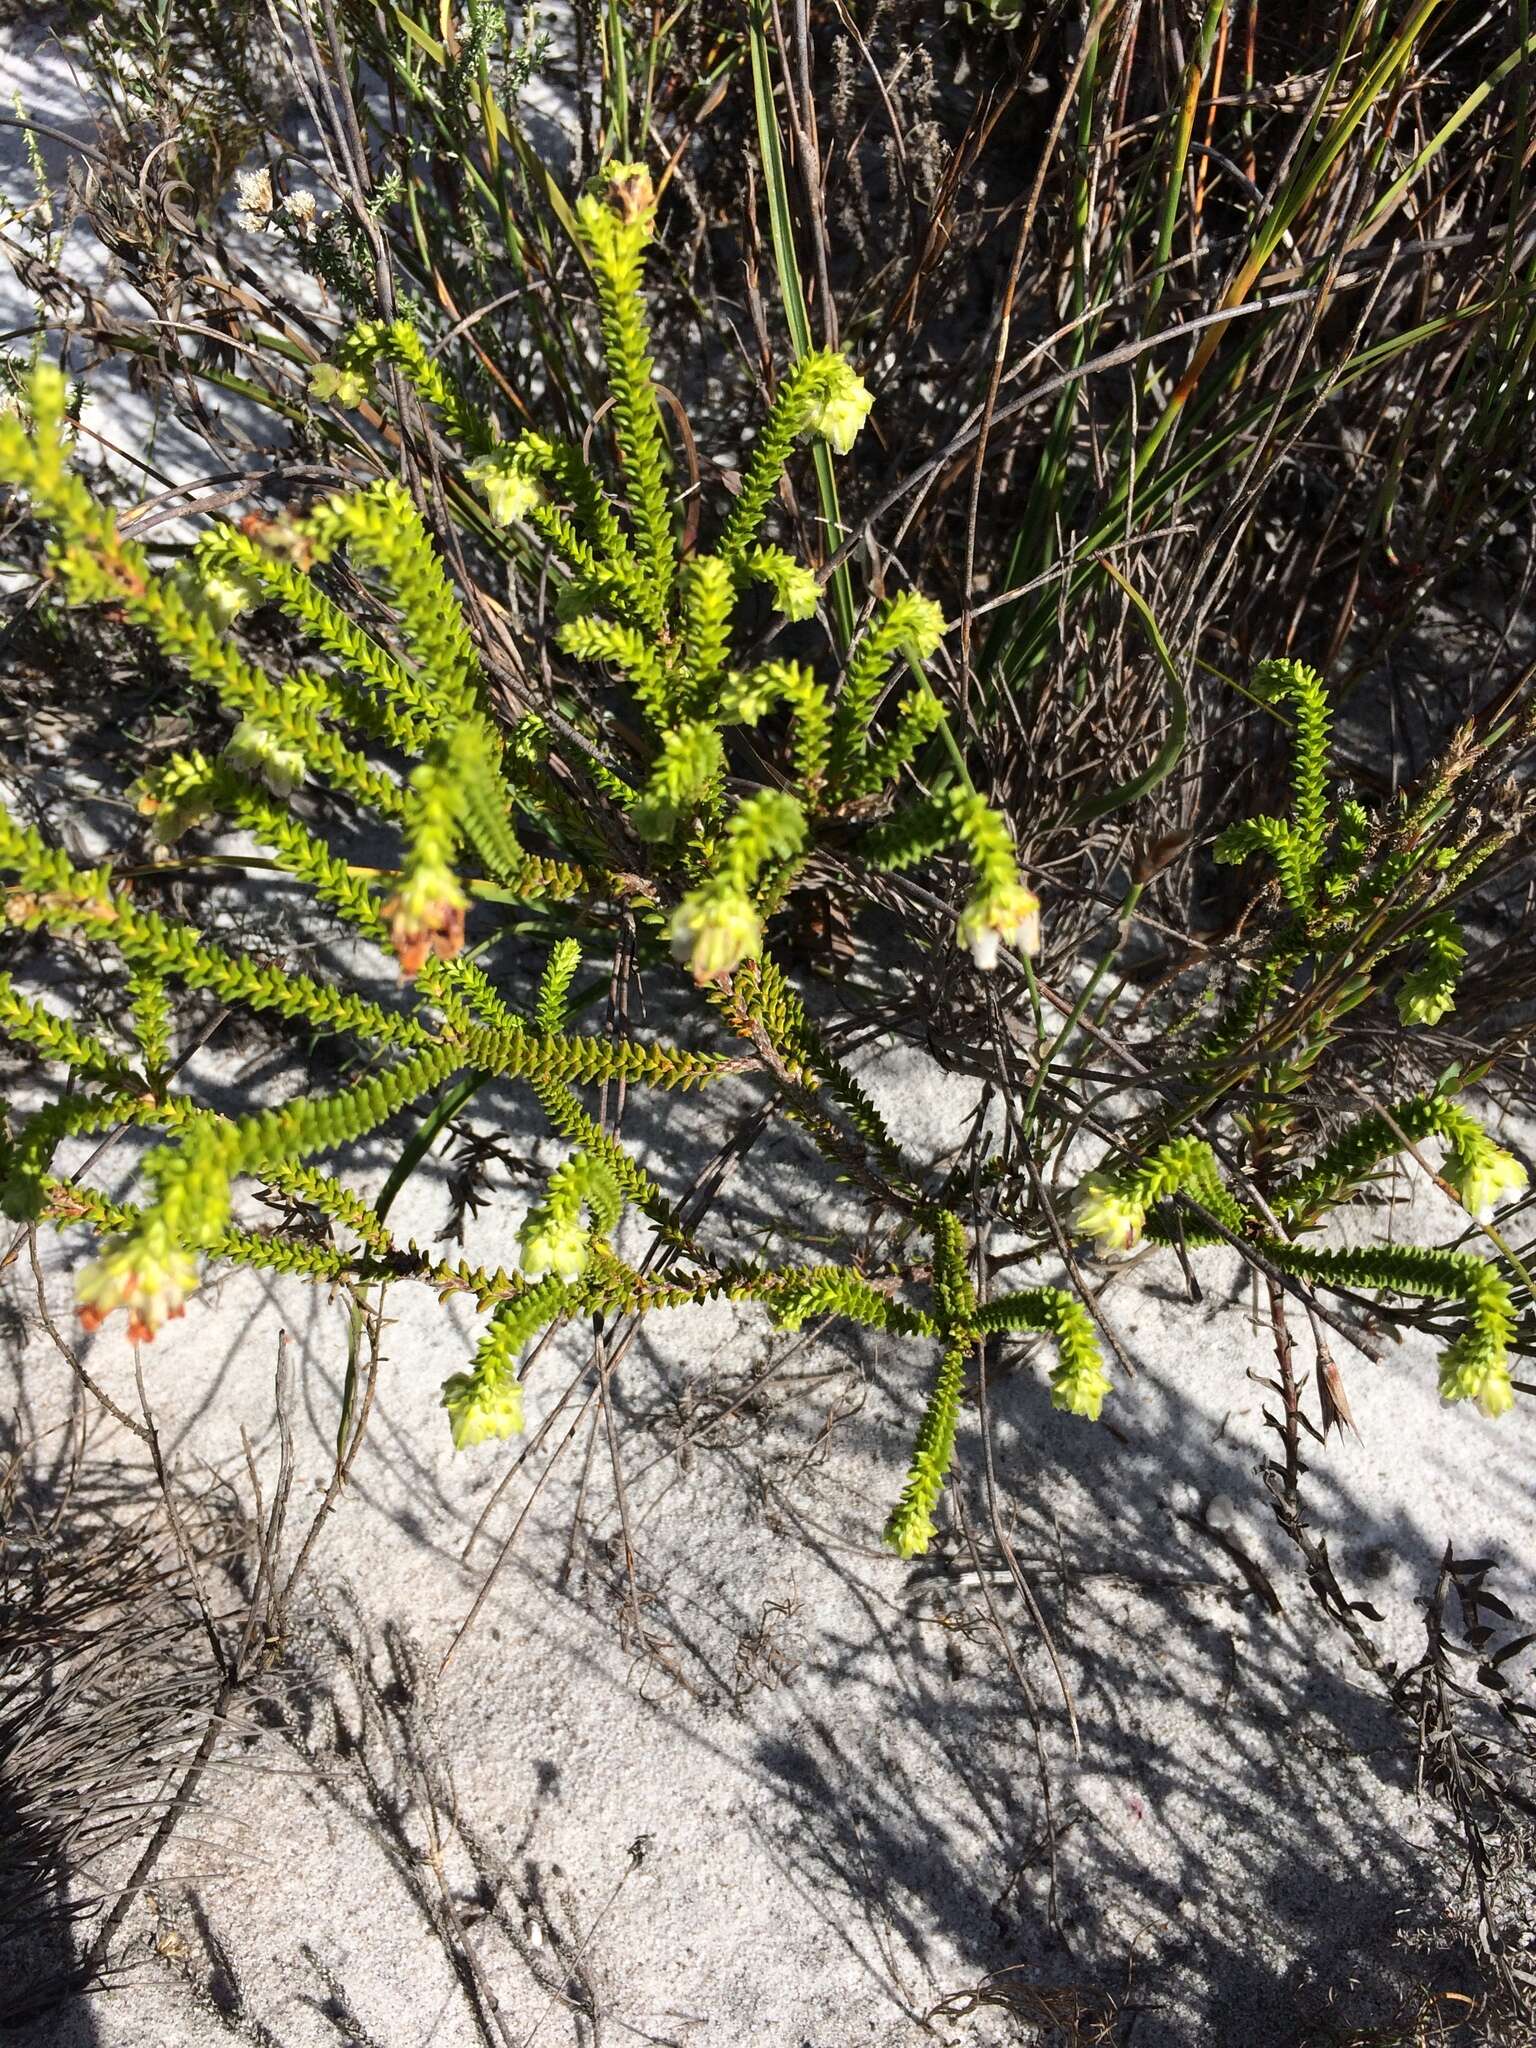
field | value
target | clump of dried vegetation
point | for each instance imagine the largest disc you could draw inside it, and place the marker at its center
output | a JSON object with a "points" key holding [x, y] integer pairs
{"points": [[1199, 337]]}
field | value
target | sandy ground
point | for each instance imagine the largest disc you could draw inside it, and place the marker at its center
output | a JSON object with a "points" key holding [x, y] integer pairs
{"points": [[814, 1810]]}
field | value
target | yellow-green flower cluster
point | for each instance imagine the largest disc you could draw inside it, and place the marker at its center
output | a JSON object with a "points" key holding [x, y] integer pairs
{"points": [[992, 919], [482, 1408], [713, 931], [1109, 1212], [552, 1243], [553, 1238], [505, 482], [1470, 1370], [144, 1273], [176, 797], [257, 751], [219, 595], [336, 383], [840, 404], [1482, 1175]]}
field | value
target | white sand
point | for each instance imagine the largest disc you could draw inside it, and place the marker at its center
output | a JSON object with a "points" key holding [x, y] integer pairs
{"points": [[824, 1859]]}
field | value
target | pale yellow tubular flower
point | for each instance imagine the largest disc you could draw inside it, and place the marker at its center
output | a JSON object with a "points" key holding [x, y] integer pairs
{"points": [[481, 1411], [1483, 1180], [329, 383], [1104, 1211], [712, 933], [1080, 1390], [552, 1244], [509, 492], [842, 407], [219, 595], [257, 751], [1471, 1369], [998, 918], [145, 1274]]}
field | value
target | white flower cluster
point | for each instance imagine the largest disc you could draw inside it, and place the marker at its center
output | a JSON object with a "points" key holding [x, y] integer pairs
{"points": [[257, 210]]}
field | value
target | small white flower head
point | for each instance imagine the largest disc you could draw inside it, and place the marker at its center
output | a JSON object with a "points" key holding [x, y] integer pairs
{"points": [[333, 383], [1482, 1178], [481, 1410], [508, 489], [146, 1274], [426, 915], [553, 1243], [1107, 1213], [253, 200], [299, 211], [257, 751], [842, 406], [712, 933], [1009, 916]]}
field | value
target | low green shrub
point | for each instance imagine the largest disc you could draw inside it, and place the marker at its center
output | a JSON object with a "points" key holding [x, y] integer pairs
{"points": [[689, 811]]}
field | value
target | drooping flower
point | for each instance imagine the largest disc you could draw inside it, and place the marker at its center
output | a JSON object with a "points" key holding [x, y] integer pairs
{"points": [[1474, 1369], [1482, 1175], [841, 406], [482, 1408], [552, 1243], [1417, 1004], [218, 595], [335, 383], [509, 491], [713, 931], [426, 915], [144, 1273], [256, 750], [1078, 1386], [997, 917], [911, 1529], [1108, 1213]]}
